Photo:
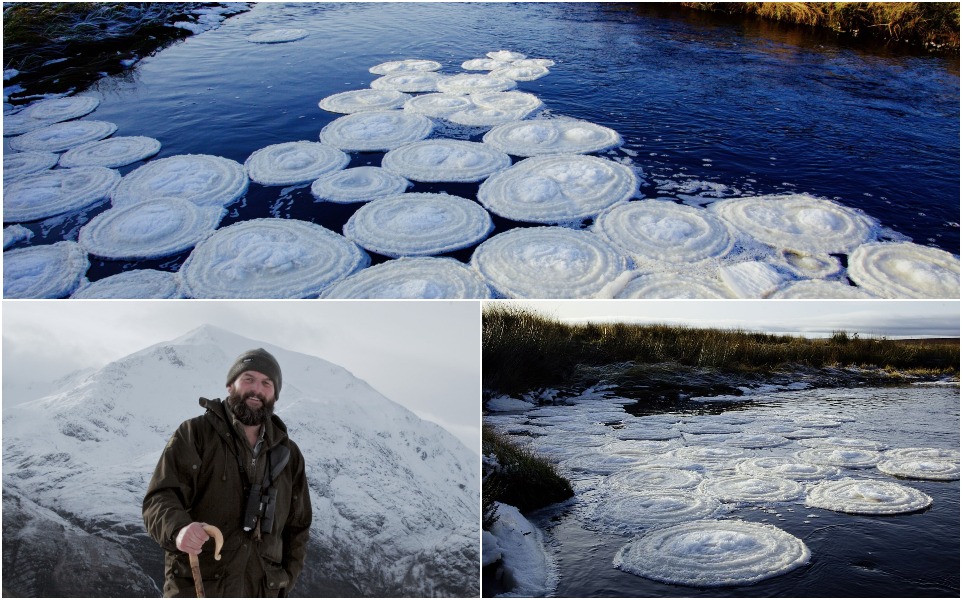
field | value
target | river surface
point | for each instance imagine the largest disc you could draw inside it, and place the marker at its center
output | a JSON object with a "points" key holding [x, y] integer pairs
{"points": [[905, 555], [708, 107]]}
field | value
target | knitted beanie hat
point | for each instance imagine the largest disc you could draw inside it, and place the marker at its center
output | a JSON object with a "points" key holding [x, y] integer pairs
{"points": [[259, 360]]}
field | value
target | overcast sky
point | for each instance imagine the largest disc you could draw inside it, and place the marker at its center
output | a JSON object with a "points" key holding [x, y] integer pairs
{"points": [[810, 318], [422, 355]]}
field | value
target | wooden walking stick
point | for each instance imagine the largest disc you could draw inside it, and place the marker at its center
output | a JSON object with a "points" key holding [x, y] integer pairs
{"points": [[195, 563]]}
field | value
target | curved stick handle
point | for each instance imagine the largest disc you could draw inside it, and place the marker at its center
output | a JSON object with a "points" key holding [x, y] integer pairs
{"points": [[195, 562], [218, 539]]}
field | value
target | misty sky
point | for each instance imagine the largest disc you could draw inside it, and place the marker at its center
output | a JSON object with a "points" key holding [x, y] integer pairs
{"points": [[422, 355]]}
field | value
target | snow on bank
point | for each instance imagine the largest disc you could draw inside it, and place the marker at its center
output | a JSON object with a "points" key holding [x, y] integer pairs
{"points": [[527, 569]]}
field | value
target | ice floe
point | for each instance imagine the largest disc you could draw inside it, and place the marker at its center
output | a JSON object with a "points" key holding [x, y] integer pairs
{"points": [[410, 278], [45, 271], [751, 488], [19, 164], [473, 83], [552, 136], [277, 36], [445, 160], [484, 64], [788, 468], [203, 179], [938, 470], [648, 432], [19, 124], [756, 440], [654, 478], [62, 136], [819, 288], [112, 153], [547, 262], [56, 192], [674, 285], [521, 72], [633, 512], [358, 184], [438, 105], [364, 100], [836, 441], [752, 279], [409, 82], [153, 228], [140, 283], [852, 458], [866, 497], [713, 553], [294, 162], [475, 110], [905, 270], [506, 55], [411, 65], [421, 224], [376, 130], [270, 258], [809, 266], [15, 233], [61, 109], [557, 189]]}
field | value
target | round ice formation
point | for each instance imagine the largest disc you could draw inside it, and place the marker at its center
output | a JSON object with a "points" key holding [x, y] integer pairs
{"points": [[359, 184], [778, 466], [547, 262], [756, 440], [599, 463], [533, 62], [418, 225], [472, 83], [506, 55], [409, 82], [141, 283], [713, 553], [655, 478], [364, 100], [113, 152], [411, 65], [752, 488], [555, 189], [484, 64], [922, 454], [852, 458], [707, 454], [818, 288], [647, 432], [843, 442], [150, 229], [752, 279], [805, 433], [277, 36], [704, 426], [798, 222], [634, 512], [270, 258], [438, 105], [61, 109], [62, 136], [866, 497], [201, 178], [410, 278], [56, 192], [15, 233], [48, 271], [552, 136], [18, 164], [445, 160], [494, 108], [938, 470], [294, 162], [905, 270], [809, 266], [521, 72], [673, 285], [376, 130], [20, 124]]}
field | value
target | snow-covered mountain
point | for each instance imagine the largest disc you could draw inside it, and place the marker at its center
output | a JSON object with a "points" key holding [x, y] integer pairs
{"points": [[395, 498]]}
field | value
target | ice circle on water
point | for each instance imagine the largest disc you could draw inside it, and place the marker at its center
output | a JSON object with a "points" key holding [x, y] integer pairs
{"points": [[61, 109], [673, 285], [19, 124], [62, 136], [552, 136], [46, 271], [852, 458], [364, 100], [270, 258], [484, 64], [922, 454], [756, 440], [153, 228], [836, 441], [663, 231], [438, 105], [788, 468], [820, 288], [706, 426], [203, 179], [905, 270], [15, 233], [140, 283], [632, 512], [421, 224], [294, 162], [277, 36], [472, 83], [409, 82], [521, 72], [410, 278], [713, 553], [866, 497], [112, 152], [475, 110], [654, 478], [376, 130], [707, 454], [547, 262], [506, 55], [937, 470], [445, 160], [798, 222], [56, 192], [411, 65], [358, 184], [751, 488], [19, 164], [648, 432], [809, 266], [556, 189]]}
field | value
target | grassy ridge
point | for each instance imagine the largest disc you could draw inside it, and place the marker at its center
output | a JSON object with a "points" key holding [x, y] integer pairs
{"points": [[932, 24], [522, 479], [523, 350]]}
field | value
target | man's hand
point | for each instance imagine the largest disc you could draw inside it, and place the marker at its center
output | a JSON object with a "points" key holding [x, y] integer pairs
{"points": [[191, 538]]}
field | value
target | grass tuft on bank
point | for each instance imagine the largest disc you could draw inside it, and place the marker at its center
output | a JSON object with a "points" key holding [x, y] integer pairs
{"points": [[521, 478]]}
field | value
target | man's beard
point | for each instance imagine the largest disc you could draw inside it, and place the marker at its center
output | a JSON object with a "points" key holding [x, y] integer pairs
{"points": [[246, 414]]}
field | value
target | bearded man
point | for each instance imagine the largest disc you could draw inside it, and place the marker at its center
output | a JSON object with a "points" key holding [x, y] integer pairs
{"points": [[235, 468]]}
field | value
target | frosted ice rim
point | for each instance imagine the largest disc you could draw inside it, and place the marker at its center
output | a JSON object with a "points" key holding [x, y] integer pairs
{"points": [[409, 82], [819, 288], [867, 497], [19, 164], [204, 179], [552, 136], [277, 36], [140, 283], [784, 467], [62, 136], [557, 189], [46, 271], [484, 109], [55, 110], [270, 258], [656, 478], [852, 458], [713, 554], [412, 278], [290, 163], [56, 192], [376, 131], [358, 184], [15, 233], [364, 100], [634, 512], [473, 83], [935, 470], [111, 153], [547, 262], [411, 65], [905, 270], [751, 488], [421, 224], [674, 285], [445, 160]]}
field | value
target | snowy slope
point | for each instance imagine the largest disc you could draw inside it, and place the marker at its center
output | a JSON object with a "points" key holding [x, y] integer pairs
{"points": [[395, 498]]}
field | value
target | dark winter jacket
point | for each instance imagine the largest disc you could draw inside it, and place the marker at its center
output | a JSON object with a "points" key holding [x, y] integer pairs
{"points": [[198, 479]]}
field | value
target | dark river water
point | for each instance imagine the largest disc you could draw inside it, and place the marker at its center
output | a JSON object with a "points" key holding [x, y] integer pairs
{"points": [[707, 107], [904, 555]]}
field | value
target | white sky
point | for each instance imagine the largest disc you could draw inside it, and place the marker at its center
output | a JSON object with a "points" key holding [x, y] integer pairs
{"points": [[422, 355]]}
